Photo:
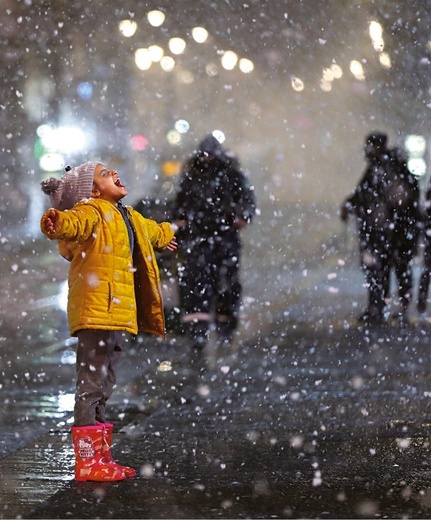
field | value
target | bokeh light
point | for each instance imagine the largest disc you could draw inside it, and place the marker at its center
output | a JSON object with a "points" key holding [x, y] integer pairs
{"points": [[297, 84], [174, 137], [219, 135], [246, 65], [327, 75], [211, 69], [156, 18], [139, 142], [229, 60], [375, 30], [199, 34], [357, 69], [385, 60], [167, 63], [415, 144], [376, 35], [85, 90], [177, 45], [171, 168], [65, 139], [336, 70], [417, 166], [127, 28], [52, 162], [186, 77], [325, 86], [143, 59], [182, 126], [156, 53]]}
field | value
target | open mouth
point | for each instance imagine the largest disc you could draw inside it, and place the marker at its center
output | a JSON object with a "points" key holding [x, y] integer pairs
{"points": [[117, 182]]}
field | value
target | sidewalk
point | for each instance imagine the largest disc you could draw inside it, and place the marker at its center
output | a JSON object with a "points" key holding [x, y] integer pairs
{"points": [[310, 416], [327, 423]]}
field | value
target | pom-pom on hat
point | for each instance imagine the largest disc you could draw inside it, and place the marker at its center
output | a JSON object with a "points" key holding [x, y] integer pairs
{"points": [[76, 184]]}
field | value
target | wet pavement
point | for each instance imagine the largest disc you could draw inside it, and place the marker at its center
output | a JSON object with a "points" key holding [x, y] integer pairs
{"points": [[309, 416], [284, 430]]}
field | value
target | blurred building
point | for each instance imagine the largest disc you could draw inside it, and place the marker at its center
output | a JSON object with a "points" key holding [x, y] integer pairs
{"points": [[293, 87]]}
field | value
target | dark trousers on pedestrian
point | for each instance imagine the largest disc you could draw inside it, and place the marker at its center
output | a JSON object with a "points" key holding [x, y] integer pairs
{"points": [[210, 284], [375, 264], [403, 250], [97, 357]]}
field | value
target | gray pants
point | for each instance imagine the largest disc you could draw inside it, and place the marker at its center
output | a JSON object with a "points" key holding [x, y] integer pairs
{"points": [[97, 357]]}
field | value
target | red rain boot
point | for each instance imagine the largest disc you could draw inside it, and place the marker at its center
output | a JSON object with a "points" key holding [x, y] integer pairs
{"points": [[88, 442], [107, 457]]}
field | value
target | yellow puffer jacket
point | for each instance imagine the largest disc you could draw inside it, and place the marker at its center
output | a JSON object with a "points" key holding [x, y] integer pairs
{"points": [[107, 289]]}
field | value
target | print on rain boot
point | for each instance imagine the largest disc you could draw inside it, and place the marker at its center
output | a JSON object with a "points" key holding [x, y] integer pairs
{"points": [[107, 457], [89, 464]]}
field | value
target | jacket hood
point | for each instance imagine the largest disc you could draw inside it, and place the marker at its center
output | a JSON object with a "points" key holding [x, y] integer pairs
{"points": [[210, 145]]}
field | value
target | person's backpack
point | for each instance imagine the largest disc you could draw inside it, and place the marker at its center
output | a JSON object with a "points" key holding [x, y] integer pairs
{"points": [[402, 189], [213, 199]]}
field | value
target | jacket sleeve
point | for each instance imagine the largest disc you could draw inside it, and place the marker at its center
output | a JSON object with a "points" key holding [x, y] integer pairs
{"points": [[72, 225], [356, 200], [159, 235], [246, 203]]}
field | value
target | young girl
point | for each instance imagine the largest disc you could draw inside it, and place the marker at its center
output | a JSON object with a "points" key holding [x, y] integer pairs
{"points": [[114, 287]]}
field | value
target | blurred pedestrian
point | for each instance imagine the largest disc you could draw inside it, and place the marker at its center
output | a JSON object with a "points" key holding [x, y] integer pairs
{"points": [[424, 280], [402, 195], [113, 288], [368, 204], [214, 202]]}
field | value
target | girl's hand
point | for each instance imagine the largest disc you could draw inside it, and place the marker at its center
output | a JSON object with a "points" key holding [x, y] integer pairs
{"points": [[239, 223], [51, 221], [173, 245]]}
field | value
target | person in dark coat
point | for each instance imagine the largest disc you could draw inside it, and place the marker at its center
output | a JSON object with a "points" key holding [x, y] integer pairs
{"points": [[214, 202], [368, 204], [425, 276], [403, 199]]}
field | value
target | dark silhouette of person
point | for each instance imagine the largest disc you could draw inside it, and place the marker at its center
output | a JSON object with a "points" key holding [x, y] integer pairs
{"points": [[424, 279], [214, 202], [403, 199], [368, 204]]}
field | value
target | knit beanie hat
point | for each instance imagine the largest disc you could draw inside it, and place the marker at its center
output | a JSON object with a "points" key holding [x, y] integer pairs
{"points": [[76, 184]]}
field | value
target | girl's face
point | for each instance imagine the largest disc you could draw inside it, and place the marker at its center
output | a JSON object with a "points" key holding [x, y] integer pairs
{"points": [[107, 185]]}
